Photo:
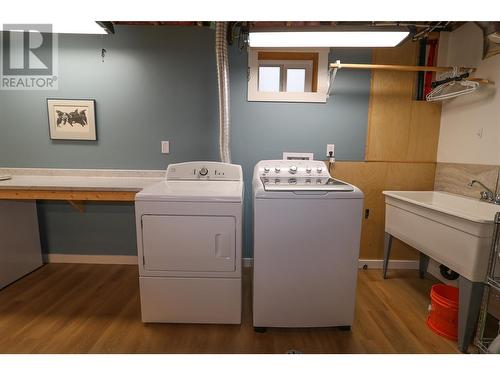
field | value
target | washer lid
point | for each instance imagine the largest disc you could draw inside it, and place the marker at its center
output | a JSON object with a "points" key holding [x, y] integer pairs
{"points": [[193, 191]]}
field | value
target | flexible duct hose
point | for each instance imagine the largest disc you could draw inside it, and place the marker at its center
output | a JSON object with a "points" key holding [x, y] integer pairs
{"points": [[223, 83]]}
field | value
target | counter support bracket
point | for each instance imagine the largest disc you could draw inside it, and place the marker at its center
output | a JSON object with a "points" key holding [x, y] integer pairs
{"points": [[78, 205]]}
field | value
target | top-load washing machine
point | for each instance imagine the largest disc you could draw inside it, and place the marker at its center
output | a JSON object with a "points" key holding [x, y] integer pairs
{"points": [[306, 244], [189, 232]]}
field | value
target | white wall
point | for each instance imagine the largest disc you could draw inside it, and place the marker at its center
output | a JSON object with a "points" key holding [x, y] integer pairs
{"points": [[470, 125]]}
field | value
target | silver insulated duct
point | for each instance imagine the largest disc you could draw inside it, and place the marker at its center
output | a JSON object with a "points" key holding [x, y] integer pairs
{"points": [[223, 81]]}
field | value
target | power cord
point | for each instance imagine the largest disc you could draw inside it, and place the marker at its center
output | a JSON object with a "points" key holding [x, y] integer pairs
{"points": [[331, 161]]}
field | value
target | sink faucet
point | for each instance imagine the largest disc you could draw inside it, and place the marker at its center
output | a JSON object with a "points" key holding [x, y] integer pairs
{"points": [[488, 195]]}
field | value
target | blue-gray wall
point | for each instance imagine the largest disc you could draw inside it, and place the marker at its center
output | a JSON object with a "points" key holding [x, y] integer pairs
{"points": [[261, 130], [159, 83]]}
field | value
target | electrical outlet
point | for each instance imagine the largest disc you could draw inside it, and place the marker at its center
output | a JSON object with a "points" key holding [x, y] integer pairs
{"points": [[330, 147], [165, 147], [479, 133]]}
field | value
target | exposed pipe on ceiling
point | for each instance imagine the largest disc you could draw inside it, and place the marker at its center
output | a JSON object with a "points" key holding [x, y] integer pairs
{"points": [[221, 53]]}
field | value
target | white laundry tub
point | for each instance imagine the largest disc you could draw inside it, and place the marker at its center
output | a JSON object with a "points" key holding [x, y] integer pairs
{"points": [[452, 229]]}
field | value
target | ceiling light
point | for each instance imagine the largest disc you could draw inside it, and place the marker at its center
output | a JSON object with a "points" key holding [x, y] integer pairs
{"points": [[81, 28], [378, 38]]}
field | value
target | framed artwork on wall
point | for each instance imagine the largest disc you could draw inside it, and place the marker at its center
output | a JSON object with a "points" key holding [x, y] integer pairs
{"points": [[72, 119]]}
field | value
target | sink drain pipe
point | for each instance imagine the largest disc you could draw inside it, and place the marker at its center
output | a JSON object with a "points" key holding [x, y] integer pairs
{"points": [[221, 53]]}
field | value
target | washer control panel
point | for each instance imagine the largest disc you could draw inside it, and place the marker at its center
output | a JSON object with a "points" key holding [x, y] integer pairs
{"points": [[204, 170], [294, 168], [294, 175]]}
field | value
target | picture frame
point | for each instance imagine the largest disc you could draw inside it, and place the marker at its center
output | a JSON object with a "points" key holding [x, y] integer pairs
{"points": [[72, 119]]}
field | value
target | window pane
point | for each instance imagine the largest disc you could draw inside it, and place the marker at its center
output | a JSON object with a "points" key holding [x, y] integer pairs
{"points": [[269, 78], [295, 80]]}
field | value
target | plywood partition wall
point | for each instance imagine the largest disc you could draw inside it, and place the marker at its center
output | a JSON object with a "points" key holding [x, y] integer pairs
{"points": [[373, 178], [400, 128], [401, 147]]}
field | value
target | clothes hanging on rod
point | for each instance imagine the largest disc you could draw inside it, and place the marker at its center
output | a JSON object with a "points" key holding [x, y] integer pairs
{"points": [[400, 68], [438, 93], [450, 85], [421, 74], [431, 60], [449, 79]]}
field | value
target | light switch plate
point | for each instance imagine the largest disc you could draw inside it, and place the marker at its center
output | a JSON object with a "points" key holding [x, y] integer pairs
{"points": [[165, 147]]}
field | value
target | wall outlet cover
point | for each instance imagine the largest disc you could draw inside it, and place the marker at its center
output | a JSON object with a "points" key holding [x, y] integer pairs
{"points": [[330, 147], [165, 147]]}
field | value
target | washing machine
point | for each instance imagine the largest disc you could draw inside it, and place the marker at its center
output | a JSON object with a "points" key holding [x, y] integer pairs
{"points": [[307, 229], [189, 232]]}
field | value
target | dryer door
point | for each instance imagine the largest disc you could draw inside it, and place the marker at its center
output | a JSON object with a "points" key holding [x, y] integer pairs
{"points": [[189, 243]]}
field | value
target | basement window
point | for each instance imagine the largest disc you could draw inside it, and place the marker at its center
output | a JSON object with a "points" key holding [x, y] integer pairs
{"points": [[286, 75]]}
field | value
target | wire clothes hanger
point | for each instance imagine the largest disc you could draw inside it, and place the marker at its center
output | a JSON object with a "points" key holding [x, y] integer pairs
{"points": [[450, 85]]}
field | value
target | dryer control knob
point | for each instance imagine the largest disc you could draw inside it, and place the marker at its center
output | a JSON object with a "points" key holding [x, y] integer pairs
{"points": [[277, 169], [266, 169], [293, 169], [319, 169], [308, 169], [203, 171]]}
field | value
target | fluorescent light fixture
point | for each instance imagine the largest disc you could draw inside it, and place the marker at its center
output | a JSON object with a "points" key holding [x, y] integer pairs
{"points": [[72, 27], [78, 27], [327, 38]]}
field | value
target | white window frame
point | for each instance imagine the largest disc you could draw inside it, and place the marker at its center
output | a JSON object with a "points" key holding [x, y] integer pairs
{"points": [[284, 65], [319, 96]]}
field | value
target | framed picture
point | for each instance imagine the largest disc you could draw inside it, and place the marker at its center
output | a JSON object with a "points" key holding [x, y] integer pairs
{"points": [[72, 119]]}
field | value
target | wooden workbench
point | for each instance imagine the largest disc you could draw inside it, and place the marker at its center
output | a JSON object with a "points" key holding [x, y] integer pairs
{"points": [[75, 186]]}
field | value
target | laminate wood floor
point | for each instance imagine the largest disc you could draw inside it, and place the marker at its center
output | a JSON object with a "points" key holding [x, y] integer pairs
{"points": [[79, 308]]}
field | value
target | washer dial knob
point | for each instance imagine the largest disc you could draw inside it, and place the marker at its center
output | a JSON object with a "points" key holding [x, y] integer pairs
{"points": [[266, 169], [203, 171], [277, 169], [293, 169], [319, 169]]}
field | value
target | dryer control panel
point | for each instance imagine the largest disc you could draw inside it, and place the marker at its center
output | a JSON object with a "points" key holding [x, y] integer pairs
{"points": [[204, 170]]}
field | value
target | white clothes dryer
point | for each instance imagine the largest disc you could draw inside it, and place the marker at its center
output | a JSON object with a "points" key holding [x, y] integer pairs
{"points": [[189, 240]]}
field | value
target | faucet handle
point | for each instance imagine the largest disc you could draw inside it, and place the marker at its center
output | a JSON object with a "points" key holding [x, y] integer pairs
{"points": [[486, 196]]}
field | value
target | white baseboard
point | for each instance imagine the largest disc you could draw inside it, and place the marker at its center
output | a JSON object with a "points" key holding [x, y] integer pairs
{"points": [[370, 263], [247, 262], [90, 259], [393, 264]]}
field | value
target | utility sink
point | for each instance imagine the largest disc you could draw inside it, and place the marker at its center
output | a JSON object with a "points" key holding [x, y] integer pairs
{"points": [[452, 229], [455, 231]]}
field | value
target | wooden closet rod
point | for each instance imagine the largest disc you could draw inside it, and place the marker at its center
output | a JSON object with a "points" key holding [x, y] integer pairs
{"points": [[401, 68]]}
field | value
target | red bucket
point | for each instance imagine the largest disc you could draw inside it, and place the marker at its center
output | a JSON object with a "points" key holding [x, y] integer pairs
{"points": [[443, 311]]}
